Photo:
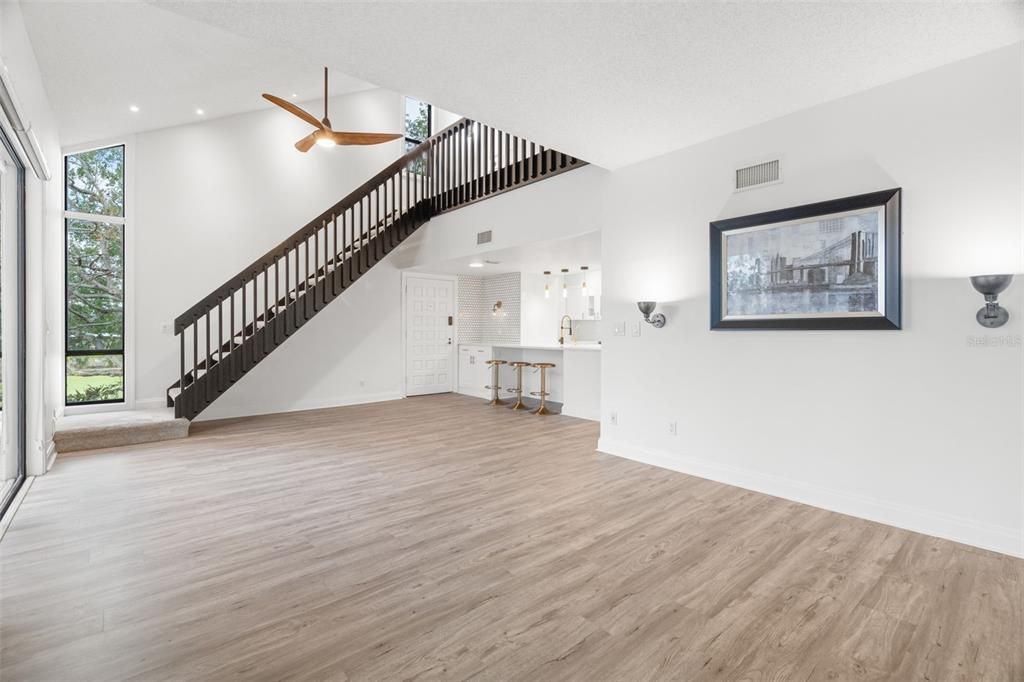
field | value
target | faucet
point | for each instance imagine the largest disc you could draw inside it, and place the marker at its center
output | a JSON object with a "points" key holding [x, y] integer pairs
{"points": [[561, 329]]}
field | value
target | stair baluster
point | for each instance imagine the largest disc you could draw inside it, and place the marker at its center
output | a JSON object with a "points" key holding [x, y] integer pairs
{"points": [[461, 164]]}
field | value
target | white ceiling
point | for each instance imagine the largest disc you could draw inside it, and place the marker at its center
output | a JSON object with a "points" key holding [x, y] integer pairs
{"points": [[615, 83], [534, 257], [99, 58]]}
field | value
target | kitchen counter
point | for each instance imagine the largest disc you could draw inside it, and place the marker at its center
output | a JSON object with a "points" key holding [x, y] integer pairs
{"points": [[586, 345], [574, 381]]}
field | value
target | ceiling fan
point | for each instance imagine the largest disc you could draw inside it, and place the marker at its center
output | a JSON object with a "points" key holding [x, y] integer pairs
{"points": [[323, 135]]}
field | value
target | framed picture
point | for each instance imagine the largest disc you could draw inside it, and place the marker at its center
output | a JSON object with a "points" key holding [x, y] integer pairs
{"points": [[829, 265]]}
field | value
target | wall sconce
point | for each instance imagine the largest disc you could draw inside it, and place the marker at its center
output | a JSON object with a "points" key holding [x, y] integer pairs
{"points": [[990, 286], [583, 289], [565, 289], [496, 309], [547, 282], [647, 307]]}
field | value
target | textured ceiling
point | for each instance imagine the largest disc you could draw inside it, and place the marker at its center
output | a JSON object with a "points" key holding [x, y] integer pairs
{"points": [[614, 83]]}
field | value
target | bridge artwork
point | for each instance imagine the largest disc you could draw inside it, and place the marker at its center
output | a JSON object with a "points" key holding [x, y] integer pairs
{"points": [[823, 266]]}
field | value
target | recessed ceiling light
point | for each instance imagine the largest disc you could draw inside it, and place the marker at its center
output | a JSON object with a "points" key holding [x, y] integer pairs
{"points": [[134, 109], [476, 264], [294, 95], [199, 112]]}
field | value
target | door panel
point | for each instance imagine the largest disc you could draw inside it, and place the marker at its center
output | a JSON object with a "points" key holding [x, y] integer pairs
{"points": [[429, 341]]}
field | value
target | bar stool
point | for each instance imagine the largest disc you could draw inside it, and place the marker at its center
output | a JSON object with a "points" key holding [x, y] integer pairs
{"points": [[518, 390], [543, 392], [495, 385]]}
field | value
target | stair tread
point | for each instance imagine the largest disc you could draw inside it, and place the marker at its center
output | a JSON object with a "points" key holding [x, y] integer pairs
{"points": [[113, 429], [388, 228]]}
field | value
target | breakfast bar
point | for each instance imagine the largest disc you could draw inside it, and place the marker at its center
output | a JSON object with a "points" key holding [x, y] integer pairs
{"points": [[574, 380]]}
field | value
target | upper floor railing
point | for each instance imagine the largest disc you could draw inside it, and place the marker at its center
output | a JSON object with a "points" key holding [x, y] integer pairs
{"points": [[282, 289]]}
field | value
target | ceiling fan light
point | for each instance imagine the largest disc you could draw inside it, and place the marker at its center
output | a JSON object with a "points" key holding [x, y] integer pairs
{"points": [[322, 133]]}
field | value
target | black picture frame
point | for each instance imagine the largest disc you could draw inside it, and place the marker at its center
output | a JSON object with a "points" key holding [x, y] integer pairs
{"points": [[890, 318]]}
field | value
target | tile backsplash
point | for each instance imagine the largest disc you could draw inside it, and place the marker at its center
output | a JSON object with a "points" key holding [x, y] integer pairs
{"points": [[477, 296]]}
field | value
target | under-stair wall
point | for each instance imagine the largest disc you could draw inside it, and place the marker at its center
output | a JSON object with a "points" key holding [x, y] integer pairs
{"points": [[236, 168], [215, 195], [234, 328]]}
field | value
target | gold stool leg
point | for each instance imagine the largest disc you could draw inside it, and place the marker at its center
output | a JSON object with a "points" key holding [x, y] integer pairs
{"points": [[520, 405], [495, 400], [543, 409]]}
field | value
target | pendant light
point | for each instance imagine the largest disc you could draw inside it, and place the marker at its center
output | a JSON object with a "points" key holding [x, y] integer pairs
{"points": [[565, 290], [583, 289], [547, 287]]}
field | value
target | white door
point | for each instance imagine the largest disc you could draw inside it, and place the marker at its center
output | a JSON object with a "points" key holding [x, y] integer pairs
{"points": [[429, 335]]}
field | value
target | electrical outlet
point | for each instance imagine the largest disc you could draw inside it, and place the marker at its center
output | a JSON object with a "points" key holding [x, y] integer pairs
{"points": [[636, 329], [167, 329], [619, 329], [613, 418], [362, 383], [672, 428]]}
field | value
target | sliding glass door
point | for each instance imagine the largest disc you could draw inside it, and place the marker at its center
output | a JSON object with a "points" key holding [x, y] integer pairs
{"points": [[12, 324]]}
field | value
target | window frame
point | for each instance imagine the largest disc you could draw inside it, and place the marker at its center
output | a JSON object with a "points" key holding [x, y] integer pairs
{"points": [[127, 221], [18, 167], [430, 120]]}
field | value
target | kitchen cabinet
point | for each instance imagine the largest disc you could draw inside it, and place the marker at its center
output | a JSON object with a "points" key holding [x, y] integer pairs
{"points": [[473, 369]]}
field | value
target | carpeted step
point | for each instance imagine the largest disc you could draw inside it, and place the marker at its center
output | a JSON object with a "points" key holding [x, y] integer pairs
{"points": [[115, 429]]}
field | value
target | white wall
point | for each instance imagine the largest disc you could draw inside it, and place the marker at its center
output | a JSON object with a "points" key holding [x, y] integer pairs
{"points": [[213, 196], [441, 119], [540, 315], [940, 414], [44, 244], [564, 206], [919, 428]]}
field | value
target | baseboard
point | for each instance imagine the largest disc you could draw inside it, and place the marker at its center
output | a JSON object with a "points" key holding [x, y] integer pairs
{"points": [[996, 538], [51, 455], [213, 413]]}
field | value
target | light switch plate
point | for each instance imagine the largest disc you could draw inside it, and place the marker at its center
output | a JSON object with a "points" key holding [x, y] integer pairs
{"points": [[636, 329], [619, 329]]}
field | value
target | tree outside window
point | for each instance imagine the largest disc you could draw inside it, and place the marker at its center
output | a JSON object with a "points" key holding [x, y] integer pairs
{"points": [[94, 238], [417, 127]]}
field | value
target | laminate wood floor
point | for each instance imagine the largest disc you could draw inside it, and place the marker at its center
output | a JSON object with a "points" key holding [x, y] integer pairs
{"points": [[438, 538]]}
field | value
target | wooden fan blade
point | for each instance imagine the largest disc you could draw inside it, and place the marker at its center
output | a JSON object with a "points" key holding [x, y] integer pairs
{"points": [[306, 143], [292, 109], [363, 138]]}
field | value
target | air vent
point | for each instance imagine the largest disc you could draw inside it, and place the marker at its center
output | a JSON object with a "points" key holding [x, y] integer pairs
{"points": [[767, 173], [483, 237]]}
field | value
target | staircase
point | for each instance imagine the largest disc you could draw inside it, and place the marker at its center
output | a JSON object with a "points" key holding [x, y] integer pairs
{"points": [[229, 331]]}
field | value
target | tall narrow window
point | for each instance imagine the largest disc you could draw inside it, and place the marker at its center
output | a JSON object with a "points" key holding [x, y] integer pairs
{"points": [[94, 295], [417, 126], [417, 122]]}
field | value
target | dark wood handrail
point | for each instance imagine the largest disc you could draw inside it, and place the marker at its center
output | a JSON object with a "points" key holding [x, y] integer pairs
{"points": [[231, 329], [209, 301]]}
